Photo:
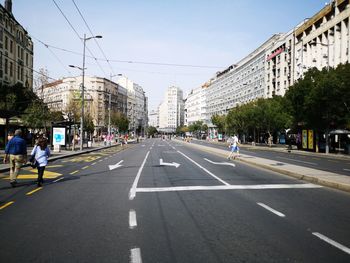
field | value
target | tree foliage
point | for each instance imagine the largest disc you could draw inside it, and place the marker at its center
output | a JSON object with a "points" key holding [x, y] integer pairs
{"points": [[120, 120], [152, 130]]}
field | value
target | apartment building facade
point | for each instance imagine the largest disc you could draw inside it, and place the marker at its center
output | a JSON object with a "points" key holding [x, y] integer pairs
{"points": [[239, 83], [195, 106], [16, 50], [99, 94], [171, 110], [324, 39]]}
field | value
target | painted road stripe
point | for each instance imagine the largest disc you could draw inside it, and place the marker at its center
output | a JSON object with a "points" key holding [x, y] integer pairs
{"points": [[132, 219], [271, 210], [296, 160], [34, 191], [135, 255], [132, 192], [332, 242], [226, 187], [213, 175], [85, 167], [6, 205], [93, 163], [59, 179], [74, 172], [346, 169]]}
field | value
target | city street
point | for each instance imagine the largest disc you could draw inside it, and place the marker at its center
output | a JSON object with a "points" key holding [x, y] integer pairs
{"points": [[162, 201]]}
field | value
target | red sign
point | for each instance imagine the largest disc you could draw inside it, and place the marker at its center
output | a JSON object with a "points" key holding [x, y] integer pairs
{"points": [[274, 54]]}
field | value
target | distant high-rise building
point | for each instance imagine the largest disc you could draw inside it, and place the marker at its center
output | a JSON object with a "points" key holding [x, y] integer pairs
{"points": [[16, 50], [171, 110]]}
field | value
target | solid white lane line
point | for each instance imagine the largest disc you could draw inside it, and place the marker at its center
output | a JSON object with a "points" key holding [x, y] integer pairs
{"points": [[135, 255], [132, 219], [93, 163], [132, 192], [346, 169], [295, 160], [210, 173], [226, 187], [59, 179], [332, 242], [271, 210]]}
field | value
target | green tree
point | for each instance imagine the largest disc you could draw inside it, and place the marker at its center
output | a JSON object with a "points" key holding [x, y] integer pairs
{"points": [[37, 115], [219, 121], [152, 130], [120, 120]]}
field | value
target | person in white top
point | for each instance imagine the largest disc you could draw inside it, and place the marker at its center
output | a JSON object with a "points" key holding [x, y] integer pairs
{"points": [[233, 147], [41, 154]]}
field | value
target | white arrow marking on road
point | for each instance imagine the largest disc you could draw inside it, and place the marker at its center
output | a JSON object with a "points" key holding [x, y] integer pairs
{"points": [[168, 164], [230, 164], [115, 166]]}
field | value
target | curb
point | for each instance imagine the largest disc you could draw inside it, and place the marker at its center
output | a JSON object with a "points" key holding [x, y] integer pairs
{"points": [[320, 181]]}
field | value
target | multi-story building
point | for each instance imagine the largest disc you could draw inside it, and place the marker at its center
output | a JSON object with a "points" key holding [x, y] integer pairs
{"points": [[194, 106], [171, 110], [279, 66], [239, 83], [324, 39], [153, 118], [137, 105], [98, 93], [16, 50]]}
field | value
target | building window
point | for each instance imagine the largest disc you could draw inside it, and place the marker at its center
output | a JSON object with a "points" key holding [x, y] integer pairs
{"points": [[6, 42], [6, 65], [11, 69]]}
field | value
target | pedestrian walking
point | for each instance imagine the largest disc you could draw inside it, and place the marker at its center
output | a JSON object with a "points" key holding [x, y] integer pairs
{"points": [[16, 153], [40, 154], [233, 148]]}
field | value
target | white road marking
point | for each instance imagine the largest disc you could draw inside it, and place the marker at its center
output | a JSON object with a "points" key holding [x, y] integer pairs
{"points": [[161, 163], [100, 160], [346, 169], [93, 163], [332, 242], [210, 173], [135, 255], [59, 179], [226, 187], [296, 160], [271, 210], [132, 192], [132, 219], [115, 166], [230, 164]]}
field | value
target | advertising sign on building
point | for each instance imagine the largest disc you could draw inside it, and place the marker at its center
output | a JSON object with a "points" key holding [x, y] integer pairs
{"points": [[304, 139], [310, 139], [58, 135]]}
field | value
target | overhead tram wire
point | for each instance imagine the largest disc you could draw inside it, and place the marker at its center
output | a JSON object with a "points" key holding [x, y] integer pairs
{"points": [[54, 54], [130, 61], [79, 37], [88, 27]]}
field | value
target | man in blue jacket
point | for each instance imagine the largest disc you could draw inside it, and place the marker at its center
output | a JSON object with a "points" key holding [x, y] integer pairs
{"points": [[16, 149]]}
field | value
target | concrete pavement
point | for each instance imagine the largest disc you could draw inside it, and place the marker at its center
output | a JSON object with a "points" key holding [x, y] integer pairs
{"points": [[333, 180]]}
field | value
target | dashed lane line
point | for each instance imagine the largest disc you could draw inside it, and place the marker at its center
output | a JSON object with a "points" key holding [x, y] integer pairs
{"points": [[289, 159], [34, 191], [332, 242], [74, 172], [132, 219], [271, 210], [6, 205], [59, 179], [85, 167], [135, 255]]}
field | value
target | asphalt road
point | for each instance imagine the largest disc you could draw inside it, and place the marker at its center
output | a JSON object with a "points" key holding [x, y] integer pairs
{"points": [[148, 210], [325, 163]]}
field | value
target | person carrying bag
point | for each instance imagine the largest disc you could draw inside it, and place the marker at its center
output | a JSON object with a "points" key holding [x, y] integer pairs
{"points": [[41, 153]]}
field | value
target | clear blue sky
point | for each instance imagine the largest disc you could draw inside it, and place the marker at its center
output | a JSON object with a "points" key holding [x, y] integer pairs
{"points": [[191, 32]]}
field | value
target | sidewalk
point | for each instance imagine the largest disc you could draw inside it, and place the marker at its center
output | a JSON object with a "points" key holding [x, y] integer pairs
{"points": [[333, 180], [58, 155], [284, 148]]}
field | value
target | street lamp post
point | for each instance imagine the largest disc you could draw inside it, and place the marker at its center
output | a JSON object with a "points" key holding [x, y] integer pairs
{"points": [[82, 89]]}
